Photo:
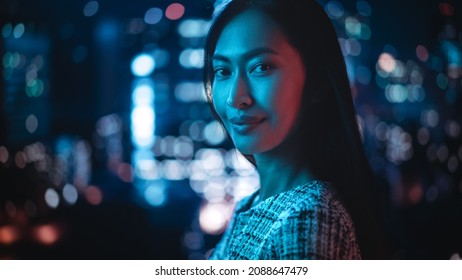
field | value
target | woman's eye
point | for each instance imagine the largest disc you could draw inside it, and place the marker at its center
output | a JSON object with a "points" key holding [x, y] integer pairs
{"points": [[262, 68], [221, 72]]}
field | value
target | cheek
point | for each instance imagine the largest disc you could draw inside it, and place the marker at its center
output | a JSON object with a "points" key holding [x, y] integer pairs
{"points": [[219, 101]]}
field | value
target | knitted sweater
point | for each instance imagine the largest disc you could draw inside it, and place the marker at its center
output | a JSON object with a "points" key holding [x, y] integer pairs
{"points": [[306, 222]]}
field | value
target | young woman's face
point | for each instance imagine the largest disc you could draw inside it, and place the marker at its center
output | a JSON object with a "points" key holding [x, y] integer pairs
{"points": [[258, 82]]}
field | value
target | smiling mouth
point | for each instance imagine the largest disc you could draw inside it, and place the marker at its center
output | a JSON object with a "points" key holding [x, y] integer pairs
{"points": [[245, 124]]}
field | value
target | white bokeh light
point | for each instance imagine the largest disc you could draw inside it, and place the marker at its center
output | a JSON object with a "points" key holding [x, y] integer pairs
{"points": [[143, 65]]}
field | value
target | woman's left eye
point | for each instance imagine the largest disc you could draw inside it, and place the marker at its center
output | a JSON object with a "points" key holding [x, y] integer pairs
{"points": [[261, 68]]}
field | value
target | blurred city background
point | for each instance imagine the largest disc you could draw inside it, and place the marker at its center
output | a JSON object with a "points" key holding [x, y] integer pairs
{"points": [[108, 148]]}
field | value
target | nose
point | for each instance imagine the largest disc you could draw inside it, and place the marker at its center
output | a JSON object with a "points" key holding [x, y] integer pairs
{"points": [[239, 96]]}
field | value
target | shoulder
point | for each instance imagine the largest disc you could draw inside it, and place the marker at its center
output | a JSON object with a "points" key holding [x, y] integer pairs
{"points": [[314, 225]]}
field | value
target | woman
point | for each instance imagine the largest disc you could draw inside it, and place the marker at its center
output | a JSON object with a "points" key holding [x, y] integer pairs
{"points": [[275, 78]]}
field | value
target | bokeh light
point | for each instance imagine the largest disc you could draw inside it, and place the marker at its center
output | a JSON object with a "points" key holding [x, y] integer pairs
{"points": [[174, 11], [153, 15], [90, 8], [143, 65]]}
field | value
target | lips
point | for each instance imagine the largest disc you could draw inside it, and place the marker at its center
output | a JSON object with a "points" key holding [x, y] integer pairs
{"points": [[245, 123]]}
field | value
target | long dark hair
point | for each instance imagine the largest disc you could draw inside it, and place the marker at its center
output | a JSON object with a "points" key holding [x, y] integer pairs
{"points": [[326, 135]]}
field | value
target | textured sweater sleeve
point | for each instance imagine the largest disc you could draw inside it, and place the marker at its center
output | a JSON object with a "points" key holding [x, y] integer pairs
{"points": [[314, 232]]}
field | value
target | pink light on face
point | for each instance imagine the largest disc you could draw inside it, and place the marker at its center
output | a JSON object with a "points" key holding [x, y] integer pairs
{"points": [[174, 11]]}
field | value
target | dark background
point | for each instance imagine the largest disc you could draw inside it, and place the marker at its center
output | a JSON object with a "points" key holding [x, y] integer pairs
{"points": [[71, 181]]}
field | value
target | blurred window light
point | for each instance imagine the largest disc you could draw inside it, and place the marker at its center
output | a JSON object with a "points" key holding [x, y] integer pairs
{"points": [[442, 153], [93, 195], [70, 194], [20, 159], [146, 168], [155, 195], [214, 133], [8, 234], [364, 8], [47, 234], [143, 125], [90, 8], [400, 70], [213, 217], [396, 93], [4, 155], [196, 130], [193, 28], [399, 146], [173, 170], [31, 123], [212, 159], [422, 53], [192, 58], [6, 30], [453, 53], [416, 77], [34, 88], [108, 125], [387, 62], [125, 172], [143, 94], [166, 146], [197, 174], [51, 198], [353, 47], [214, 189], [423, 136], [174, 11], [430, 118], [365, 31], [416, 93], [446, 9], [353, 27], [442, 81], [437, 63], [153, 16], [107, 31], [18, 30], [334, 9], [193, 240], [190, 92], [143, 65], [452, 128], [183, 148]]}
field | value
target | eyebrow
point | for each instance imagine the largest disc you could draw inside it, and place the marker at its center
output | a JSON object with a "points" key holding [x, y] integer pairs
{"points": [[247, 54]]}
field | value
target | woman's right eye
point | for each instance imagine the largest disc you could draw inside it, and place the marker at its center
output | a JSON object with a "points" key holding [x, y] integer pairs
{"points": [[221, 72]]}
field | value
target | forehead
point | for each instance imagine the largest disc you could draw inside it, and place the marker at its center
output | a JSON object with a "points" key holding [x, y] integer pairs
{"points": [[250, 29]]}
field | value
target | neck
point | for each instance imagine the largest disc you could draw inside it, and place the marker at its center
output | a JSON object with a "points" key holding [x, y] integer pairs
{"points": [[279, 174]]}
